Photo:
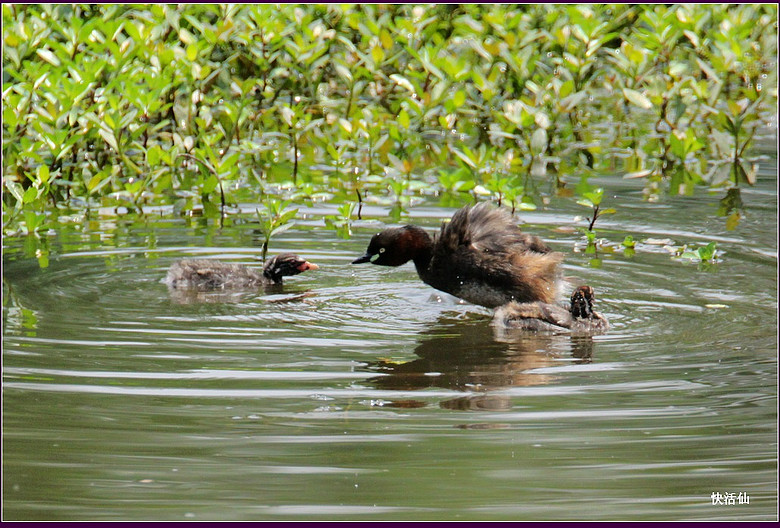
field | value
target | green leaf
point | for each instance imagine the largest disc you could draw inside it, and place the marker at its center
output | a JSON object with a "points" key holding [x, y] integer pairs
{"points": [[386, 39], [566, 89], [402, 81], [15, 189], [43, 174], [636, 98], [707, 252], [109, 138], [153, 155], [33, 220], [280, 229], [594, 196], [459, 98], [30, 195], [192, 52], [209, 185], [287, 114], [48, 56], [377, 54], [343, 71], [403, 119], [539, 141], [572, 101], [464, 158]]}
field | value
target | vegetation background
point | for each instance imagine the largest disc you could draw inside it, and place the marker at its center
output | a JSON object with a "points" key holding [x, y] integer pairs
{"points": [[200, 107]]}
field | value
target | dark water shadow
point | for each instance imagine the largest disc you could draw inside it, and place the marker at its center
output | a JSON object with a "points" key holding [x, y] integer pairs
{"points": [[474, 357]]}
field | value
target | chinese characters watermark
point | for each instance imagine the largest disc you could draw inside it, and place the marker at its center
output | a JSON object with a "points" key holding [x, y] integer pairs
{"points": [[729, 499]]}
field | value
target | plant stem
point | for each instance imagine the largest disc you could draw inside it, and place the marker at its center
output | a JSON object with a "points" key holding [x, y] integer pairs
{"points": [[595, 215]]}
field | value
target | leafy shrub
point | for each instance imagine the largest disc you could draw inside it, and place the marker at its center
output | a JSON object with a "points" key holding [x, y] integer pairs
{"points": [[108, 105]]}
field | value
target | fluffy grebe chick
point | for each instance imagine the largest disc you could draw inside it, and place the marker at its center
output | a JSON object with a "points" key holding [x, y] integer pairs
{"points": [[580, 318], [207, 275]]}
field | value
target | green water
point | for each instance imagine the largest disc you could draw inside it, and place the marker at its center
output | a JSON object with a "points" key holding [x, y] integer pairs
{"points": [[358, 393]]}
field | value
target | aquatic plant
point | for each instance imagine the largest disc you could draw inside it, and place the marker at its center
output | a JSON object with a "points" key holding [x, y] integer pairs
{"points": [[131, 106]]}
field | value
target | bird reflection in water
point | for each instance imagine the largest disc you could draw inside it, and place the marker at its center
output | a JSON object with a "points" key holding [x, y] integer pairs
{"points": [[271, 294], [474, 357]]}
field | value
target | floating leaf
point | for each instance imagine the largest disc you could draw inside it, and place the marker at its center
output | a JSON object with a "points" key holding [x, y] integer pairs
{"points": [[707, 252]]}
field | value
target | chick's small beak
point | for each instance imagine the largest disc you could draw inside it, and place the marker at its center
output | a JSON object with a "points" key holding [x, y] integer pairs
{"points": [[364, 258], [307, 266]]}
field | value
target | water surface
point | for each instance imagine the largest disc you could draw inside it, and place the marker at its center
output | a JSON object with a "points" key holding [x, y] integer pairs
{"points": [[358, 393]]}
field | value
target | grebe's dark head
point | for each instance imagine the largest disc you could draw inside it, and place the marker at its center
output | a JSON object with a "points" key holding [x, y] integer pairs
{"points": [[285, 265]]}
